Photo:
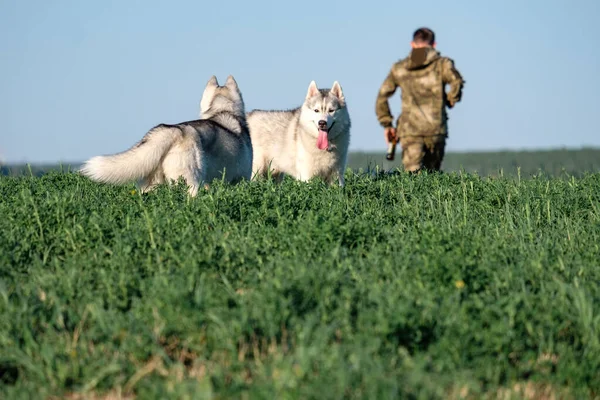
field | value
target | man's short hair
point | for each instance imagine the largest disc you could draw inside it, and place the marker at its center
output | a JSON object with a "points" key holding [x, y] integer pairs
{"points": [[424, 35]]}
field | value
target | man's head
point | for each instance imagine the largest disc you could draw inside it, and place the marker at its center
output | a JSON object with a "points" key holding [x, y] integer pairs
{"points": [[423, 37]]}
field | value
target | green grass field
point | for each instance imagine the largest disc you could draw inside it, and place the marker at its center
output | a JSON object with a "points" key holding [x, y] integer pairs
{"points": [[432, 286], [554, 162]]}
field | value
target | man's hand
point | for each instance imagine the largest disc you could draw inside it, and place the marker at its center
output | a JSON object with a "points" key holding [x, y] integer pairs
{"points": [[390, 134]]}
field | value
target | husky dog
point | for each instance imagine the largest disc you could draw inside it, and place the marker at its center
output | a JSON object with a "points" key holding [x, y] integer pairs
{"points": [[311, 140], [217, 145]]}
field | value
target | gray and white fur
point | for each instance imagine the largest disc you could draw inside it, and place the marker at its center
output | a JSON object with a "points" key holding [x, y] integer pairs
{"points": [[309, 141], [217, 145]]}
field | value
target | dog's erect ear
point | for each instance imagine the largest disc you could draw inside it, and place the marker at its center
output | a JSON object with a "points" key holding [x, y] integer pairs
{"points": [[231, 83], [212, 82], [336, 90], [209, 93], [313, 90]]}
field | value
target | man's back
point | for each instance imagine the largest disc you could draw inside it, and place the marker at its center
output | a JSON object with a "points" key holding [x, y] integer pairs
{"points": [[422, 77]]}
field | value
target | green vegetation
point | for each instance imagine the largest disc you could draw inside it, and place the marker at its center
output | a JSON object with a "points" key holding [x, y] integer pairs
{"points": [[396, 286], [556, 163]]}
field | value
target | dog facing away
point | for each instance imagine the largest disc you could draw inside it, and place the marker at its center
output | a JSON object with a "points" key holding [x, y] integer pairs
{"points": [[215, 146], [309, 141]]}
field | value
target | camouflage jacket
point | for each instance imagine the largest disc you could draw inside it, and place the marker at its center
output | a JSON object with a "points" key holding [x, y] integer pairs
{"points": [[422, 77]]}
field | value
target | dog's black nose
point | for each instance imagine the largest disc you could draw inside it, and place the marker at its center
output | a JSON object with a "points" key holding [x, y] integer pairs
{"points": [[322, 124]]}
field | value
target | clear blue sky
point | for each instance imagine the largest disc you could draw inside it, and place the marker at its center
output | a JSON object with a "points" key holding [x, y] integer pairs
{"points": [[82, 78]]}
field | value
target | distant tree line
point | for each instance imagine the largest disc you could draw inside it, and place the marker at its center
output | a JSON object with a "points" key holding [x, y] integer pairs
{"points": [[560, 162]]}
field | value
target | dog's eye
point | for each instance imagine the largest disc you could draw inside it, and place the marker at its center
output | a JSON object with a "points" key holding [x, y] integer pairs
{"points": [[331, 110], [316, 110]]}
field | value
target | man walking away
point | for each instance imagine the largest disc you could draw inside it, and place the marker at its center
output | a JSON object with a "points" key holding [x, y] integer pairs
{"points": [[422, 126]]}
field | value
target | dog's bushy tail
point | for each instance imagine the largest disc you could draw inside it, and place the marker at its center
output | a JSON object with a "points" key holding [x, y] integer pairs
{"points": [[136, 163]]}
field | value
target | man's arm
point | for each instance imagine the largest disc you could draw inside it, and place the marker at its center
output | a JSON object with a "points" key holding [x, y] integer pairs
{"points": [[452, 77], [382, 107]]}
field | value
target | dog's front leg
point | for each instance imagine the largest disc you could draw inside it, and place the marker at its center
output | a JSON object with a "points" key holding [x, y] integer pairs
{"points": [[341, 180]]}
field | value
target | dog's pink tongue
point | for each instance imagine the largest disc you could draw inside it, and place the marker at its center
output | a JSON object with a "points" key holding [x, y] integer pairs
{"points": [[322, 142]]}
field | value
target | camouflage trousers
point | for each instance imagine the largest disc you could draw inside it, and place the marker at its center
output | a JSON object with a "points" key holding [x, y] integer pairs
{"points": [[422, 152]]}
